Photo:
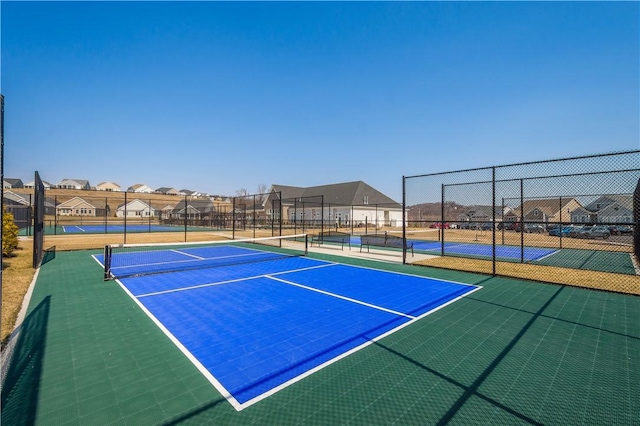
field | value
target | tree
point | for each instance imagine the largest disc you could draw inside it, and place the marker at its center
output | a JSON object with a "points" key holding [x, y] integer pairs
{"points": [[262, 190], [9, 233]]}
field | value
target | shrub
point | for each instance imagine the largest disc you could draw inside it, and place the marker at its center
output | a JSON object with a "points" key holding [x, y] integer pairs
{"points": [[9, 233]]}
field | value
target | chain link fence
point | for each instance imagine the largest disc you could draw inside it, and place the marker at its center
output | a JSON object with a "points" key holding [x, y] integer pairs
{"points": [[572, 221]]}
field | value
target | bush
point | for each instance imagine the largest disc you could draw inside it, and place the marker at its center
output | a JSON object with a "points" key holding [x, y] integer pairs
{"points": [[9, 233]]}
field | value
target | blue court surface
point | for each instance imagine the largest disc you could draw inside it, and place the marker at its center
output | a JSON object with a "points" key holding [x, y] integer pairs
{"points": [[115, 229], [255, 328], [484, 250], [476, 250]]}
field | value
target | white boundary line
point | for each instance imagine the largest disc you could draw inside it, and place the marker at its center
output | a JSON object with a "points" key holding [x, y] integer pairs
{"points": [[253, 277], [347, 353], [546, 255], [337, 296], [407, 274], [224, 392], [188, 254]]}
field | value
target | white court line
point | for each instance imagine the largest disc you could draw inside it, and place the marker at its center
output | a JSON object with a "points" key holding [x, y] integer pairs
{"points": [[235, 280], [227, 395], [190, 255], [359, 302], [547, 255], [308, 373], [64, 228], [205, 372]]}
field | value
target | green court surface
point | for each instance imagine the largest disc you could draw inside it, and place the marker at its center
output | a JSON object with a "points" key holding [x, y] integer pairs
{"points": [[514, 352], [591, 260]]}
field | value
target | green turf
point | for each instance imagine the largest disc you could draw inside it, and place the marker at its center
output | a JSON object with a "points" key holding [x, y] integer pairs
{"points": [[591, 260], [515, 352]]}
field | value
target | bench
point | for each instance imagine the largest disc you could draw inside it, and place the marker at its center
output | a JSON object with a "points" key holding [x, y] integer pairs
{"points": [[384, 241], [335, 237]]}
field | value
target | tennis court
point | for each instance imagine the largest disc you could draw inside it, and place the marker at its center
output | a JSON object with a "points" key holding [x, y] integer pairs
{"points": [[105, 228], [478, 250], [514, 352], [254, 321], [484, 250]]}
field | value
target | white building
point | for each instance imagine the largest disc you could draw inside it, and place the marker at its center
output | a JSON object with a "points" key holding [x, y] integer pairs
{"points": [[349, 204], [135, 208]]}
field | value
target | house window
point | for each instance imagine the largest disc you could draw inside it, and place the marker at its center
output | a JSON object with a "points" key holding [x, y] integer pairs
{"points": [[365, 199], [535, 212]]}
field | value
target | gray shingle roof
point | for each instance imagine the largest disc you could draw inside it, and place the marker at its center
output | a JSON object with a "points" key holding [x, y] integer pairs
{"points": [[344, 194]]}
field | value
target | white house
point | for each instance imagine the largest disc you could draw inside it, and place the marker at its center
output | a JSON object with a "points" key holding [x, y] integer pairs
{"points": [[167, 211], [342, 204], [140, 188], [135, 208], [31, 184], [167, 191], [108, 186], [76, 207], [74, 184]]}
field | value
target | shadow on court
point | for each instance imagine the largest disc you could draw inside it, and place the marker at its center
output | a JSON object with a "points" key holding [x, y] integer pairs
{"points": [[193, 413], [22, 368], [473, 389]]}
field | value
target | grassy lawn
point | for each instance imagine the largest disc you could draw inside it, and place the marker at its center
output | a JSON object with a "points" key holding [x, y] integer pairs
{"points": [[17, 274]]}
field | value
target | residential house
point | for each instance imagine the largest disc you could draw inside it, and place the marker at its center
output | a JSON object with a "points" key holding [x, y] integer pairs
{"points": [[19, 207], [166, 212], [11, 183], [614, 208], [480, 213], [343, 204], [136, 208], [13, 199], [543, 211], [140, 188], [32, 184], [76, 207], [108, 186], [167, 191], [190, 193], [74, 184], [193, 209]]}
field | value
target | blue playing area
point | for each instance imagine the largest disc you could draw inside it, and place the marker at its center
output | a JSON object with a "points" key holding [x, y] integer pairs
{"points": [[475, 250], [254, 328], [483, 250], [97, 229]]}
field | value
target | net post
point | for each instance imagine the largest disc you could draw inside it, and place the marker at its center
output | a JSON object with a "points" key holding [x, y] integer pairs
{"points": [[306, 244], [107, 262]]}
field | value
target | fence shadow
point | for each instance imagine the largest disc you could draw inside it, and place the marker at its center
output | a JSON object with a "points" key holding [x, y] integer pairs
{"points": [[22, 360]]}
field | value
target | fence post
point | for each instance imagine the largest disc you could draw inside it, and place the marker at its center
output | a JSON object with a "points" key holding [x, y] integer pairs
{"points": [[404, 223], [521, 220], [125, 218], [493, 218], [441, 230]]}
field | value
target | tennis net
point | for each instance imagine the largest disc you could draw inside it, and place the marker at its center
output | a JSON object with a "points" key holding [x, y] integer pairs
{"points": [[128, 260]]}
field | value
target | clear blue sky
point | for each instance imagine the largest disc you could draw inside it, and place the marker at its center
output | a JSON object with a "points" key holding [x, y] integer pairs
{"points": [[216, 96]]}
